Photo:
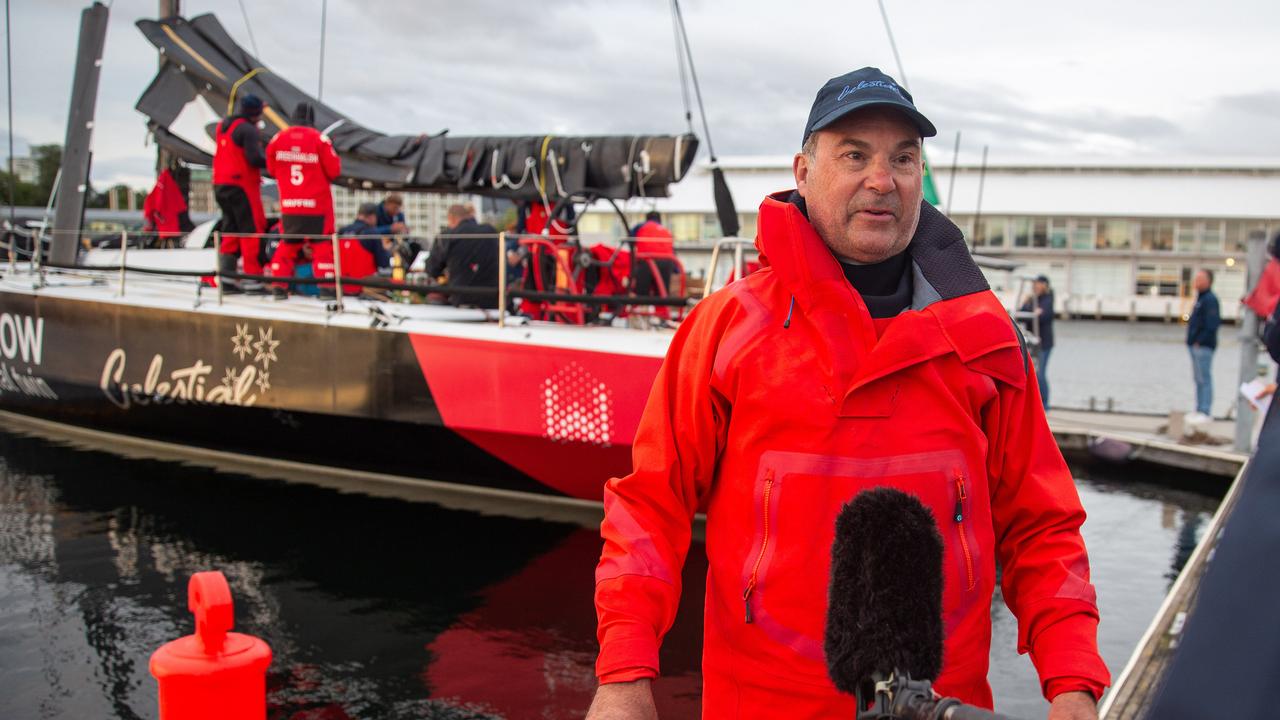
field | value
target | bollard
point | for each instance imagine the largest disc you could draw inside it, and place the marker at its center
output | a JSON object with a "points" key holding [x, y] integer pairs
{"points": [[213, 673]]}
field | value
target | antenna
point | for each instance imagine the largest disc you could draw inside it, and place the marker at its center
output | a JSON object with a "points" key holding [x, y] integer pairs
{"points": [[324, 13], [894, 46], [13, 177]]}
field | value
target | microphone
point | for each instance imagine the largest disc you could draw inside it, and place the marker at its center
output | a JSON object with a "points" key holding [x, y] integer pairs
{"points": [[883, 640]]}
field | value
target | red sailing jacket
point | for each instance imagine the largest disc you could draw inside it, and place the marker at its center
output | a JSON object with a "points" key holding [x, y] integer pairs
{"points": [[164, 206], [769, 417], [304, 164], [229, 164], [654, 240]]}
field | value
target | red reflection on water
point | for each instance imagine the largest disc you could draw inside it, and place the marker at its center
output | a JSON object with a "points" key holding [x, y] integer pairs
{"points": [[529, 651]]}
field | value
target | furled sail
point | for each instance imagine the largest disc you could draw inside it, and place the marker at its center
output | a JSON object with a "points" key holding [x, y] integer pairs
{"points": [[207, 68]]}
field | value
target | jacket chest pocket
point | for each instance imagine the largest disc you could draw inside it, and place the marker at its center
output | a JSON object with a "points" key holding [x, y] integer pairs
{"points": [[796, 499]]}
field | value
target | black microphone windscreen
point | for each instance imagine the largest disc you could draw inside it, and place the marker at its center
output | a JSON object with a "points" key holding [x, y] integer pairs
{"points": [[884, 609]]}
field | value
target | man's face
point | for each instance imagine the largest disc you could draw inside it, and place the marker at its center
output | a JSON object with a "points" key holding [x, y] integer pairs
{"points": [[393, 208], [863, 185], [1202, 281], [1041, 287]]}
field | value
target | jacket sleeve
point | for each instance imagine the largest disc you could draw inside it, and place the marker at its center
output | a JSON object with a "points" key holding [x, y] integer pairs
{"points": [[438, 258], [1212, 318], [271, 156], [1037, 515], [329, 160], [649, 513]]}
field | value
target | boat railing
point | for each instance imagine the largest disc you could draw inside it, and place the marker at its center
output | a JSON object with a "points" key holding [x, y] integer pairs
{"points": [[739, 246], [21, 246]]}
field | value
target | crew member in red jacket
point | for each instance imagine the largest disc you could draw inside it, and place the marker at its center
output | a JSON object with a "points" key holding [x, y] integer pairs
{"points": [[869, 351], [304, 164], [237, 179], [655, 260]]}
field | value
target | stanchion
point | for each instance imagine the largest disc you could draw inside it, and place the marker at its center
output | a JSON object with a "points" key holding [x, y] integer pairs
{"points": [[124, 251], [502, 279], [337, 272], [217, 265], [214, 673]]}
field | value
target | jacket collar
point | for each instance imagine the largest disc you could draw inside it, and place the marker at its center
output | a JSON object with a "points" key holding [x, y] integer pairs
{"points": [[952, 309]]}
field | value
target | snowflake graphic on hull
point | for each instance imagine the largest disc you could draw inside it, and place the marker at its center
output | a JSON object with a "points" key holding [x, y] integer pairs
{"points": [[577, 407]]}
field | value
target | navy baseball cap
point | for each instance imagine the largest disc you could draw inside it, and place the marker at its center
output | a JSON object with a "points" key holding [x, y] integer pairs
{"points": [[250, 104], [859, 89]]}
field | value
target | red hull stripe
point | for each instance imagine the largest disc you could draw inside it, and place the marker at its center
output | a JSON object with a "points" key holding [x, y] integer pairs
{"points": [[564, 417]]}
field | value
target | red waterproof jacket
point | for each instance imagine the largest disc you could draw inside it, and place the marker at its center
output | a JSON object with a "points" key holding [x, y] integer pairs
{"points": [[654, 240], [770, 417], [303, 162]]}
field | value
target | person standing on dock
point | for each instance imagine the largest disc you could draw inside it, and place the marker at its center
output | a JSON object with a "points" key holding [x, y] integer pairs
{"points": [[1042, 305], [304, 164], [237, 185], [868, 352], [1202, 339]]}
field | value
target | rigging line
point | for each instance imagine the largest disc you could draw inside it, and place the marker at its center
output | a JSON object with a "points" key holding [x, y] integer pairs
{"points": [[247, 26], [894, 46], [684, 80], [8, 68], [324, 16], [693, 74]]}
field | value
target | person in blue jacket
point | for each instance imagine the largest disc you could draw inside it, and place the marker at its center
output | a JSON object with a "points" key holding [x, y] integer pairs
{"points": [[1202, 339]]}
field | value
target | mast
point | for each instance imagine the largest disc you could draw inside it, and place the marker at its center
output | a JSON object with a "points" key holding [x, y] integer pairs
{"points": [[168, 9], [74, 183]]}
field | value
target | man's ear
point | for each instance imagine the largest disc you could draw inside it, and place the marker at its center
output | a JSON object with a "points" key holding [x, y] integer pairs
{"points": [[800, 168]]}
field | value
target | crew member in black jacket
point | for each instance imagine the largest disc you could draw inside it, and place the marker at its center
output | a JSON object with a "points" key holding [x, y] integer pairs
{"points": [[469, 253]]}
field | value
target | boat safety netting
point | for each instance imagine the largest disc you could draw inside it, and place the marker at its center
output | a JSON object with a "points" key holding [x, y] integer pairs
{"points": [[207, 70]]}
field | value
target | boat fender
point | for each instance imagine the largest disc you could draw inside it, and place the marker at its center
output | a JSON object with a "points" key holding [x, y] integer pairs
{"points": [[213, 673]]}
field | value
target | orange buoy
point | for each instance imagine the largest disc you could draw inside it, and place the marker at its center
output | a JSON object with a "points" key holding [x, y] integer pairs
{"points": [[214, 673]]}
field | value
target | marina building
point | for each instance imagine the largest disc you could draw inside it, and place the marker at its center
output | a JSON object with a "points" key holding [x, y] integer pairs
{"points": [[1116, 237]]}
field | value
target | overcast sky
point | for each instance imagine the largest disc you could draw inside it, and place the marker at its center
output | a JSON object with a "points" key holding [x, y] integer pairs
{"points": [[1029, 79]]}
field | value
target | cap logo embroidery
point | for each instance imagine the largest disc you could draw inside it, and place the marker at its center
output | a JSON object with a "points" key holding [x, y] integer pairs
{"points": [[847, 91]]}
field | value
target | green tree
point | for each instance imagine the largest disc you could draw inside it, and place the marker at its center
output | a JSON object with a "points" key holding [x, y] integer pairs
{"points": [[27, 193], [48, 161]]}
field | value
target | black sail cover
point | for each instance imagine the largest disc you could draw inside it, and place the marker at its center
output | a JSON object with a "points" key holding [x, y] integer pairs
{"points": [[203, 60]]}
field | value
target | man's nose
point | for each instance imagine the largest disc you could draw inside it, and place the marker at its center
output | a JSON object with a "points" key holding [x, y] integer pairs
{"points": [[880, 176]]}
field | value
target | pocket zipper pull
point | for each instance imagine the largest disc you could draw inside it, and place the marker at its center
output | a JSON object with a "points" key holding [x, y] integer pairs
{"points": [[960, 496], [746, 602]]}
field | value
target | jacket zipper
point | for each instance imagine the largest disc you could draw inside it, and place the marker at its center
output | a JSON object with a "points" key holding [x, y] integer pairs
{"points": [[764, 545], [959, 518]]}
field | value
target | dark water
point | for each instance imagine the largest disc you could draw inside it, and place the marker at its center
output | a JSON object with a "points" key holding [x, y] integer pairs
{"points": [[379, 608]]}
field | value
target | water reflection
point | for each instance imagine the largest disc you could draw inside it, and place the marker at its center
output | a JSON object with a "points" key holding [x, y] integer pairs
{"points": [[384, 608]]}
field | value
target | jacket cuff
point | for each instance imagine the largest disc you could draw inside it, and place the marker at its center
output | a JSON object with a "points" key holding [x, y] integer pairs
{"points": [[1057, 686], [628, 675], [625, 649], [1068, 651]]}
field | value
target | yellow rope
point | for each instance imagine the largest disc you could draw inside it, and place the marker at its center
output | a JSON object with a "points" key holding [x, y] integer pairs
{"points": [[542, 173], [235, 86], [191, 51]]}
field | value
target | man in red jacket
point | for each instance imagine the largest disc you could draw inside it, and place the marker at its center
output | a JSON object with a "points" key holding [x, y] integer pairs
{"points": [[869, 351], [304, 164], [237, 181]]}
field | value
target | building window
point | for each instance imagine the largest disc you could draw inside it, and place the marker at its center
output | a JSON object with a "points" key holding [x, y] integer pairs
{"points": [[991, 231], [1185, 235], [1058, 233], [1040, 233], [1115, 235], [1083, 236], [1021, 232], [687, 227], [1156, 235], [1211, 238], [1156, 280]]}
